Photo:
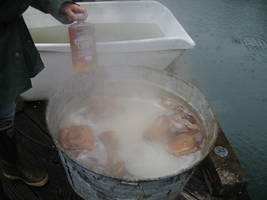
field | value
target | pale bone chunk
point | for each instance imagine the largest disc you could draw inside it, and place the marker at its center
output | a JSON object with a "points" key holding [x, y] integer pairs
{"points": [[158, 129], [100, 102], [103, 107], [110, 141], [76, 138], [181, 143]]}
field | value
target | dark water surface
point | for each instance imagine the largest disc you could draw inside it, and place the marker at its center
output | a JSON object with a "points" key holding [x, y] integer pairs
{"points": [[230, 65]]}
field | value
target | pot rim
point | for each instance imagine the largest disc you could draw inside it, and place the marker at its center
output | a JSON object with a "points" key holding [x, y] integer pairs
{"points": [[171, 75]]}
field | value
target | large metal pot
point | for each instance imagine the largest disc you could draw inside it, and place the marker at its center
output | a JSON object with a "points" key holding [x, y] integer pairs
{"points": [[91, 184]]}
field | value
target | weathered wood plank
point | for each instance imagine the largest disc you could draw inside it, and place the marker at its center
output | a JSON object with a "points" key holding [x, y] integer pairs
{"points": [[47, 159], [240, 196], [31, 123], [197, 187], [185, 196], [35, 110], [38, 152], [16, 189], [32, 108], [218, 183], [25, 125], [225, 172]]}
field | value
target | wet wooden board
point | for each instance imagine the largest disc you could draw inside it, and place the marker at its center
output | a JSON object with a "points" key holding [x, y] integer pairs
{"points": [[36, 111], [224, 175], [27, 125], [36, 148], [225, 172]]}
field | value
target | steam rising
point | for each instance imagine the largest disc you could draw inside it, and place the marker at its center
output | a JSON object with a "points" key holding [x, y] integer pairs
{"points": [[140, 106]]}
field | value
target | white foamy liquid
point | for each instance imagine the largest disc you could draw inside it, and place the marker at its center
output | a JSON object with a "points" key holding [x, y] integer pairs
{"points": [[142, 158]]}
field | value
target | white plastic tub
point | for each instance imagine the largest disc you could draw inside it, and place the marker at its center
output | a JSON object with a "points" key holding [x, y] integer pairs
{"points": [[127, 33]]}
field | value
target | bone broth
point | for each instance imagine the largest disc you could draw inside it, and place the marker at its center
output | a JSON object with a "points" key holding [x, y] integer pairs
{"points": [[135, 134]]}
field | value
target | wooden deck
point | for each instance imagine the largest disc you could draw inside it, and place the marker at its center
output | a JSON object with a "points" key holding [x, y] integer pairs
{"points": [[37, 149]]}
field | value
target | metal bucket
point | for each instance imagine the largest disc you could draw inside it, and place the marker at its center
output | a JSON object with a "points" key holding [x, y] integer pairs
{"points": [[91, 184]]}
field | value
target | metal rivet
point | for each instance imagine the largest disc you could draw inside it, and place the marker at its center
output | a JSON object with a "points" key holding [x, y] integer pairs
{"points": [[221, 151], [17, 54]]}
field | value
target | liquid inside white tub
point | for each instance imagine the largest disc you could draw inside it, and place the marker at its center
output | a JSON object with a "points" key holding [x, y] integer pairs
{"points": [[105, 32]]}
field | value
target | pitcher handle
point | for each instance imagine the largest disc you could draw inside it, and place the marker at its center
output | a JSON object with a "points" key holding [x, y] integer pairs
{"points": [[128, 183]]}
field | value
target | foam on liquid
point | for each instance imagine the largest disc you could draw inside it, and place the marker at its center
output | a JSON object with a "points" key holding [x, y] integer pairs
{"points": [[142, 158]]}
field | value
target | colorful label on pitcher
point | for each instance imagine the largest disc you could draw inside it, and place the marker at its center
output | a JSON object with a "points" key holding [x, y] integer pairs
{"points": [[84, 51], [83, 48], [84, 42], [83, 32]]}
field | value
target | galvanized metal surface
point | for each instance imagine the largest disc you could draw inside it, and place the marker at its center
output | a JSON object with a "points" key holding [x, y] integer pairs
{"points": [[91, 184]]}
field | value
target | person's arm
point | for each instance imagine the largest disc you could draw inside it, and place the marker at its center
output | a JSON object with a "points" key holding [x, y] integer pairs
{"points": [[62, 10], [70, 9]]}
